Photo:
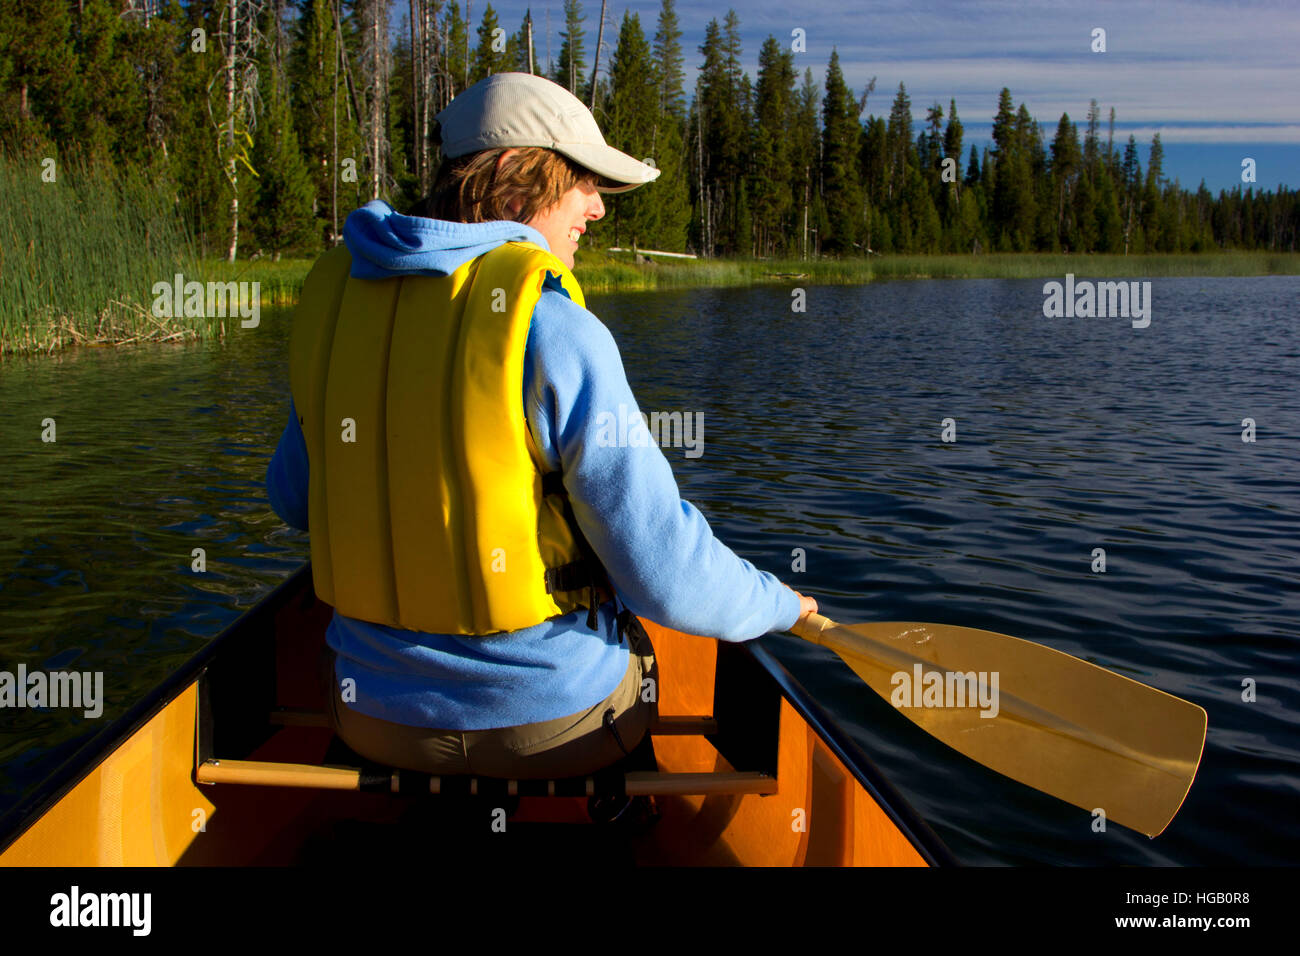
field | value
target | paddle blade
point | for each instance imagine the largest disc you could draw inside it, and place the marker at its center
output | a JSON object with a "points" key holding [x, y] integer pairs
{"points": [[1054, 722]]}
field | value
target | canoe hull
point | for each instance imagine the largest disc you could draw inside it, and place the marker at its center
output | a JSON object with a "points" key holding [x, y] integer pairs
{"points": [[137, 803]]}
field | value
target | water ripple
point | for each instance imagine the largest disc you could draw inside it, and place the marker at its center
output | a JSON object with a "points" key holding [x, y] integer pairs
{"points": [[823, 432]]}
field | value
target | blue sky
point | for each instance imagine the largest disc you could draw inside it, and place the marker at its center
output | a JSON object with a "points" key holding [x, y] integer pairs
{"points": [[1220, 81]]}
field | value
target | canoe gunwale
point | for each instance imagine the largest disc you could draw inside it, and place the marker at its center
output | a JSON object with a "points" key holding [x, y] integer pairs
{"points": [[83, 762], [88, 757], [869, 776]]}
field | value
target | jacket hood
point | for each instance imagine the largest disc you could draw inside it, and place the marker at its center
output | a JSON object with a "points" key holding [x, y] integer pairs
{"points": [[385, 243]]}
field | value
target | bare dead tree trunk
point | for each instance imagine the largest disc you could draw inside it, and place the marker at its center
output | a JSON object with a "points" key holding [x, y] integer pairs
{"points": [[334, 179], [431, 68], [239, 38], [376, 89], [353, 104], [232, 172], [595, 67], [416, 22], [377, 46], [706, 211], [446, 81], [529, 19]]}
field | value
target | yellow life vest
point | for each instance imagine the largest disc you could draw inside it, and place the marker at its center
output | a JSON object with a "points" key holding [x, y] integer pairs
{"points": [[427, 505]]}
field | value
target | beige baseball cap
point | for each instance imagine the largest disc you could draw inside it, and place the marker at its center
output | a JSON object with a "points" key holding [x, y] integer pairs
{"points": [[519, 109]]}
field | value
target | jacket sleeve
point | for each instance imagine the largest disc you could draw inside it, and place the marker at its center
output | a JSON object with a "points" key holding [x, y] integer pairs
{"points": [[659, 550], [287, 474]]}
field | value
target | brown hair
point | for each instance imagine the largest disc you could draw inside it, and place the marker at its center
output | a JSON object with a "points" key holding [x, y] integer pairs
{"points": [[472, 189]]}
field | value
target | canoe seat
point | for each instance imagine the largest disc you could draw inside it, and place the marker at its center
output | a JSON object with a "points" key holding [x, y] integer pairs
{"points": [[262, 721], [379, 779], [359, 775]]}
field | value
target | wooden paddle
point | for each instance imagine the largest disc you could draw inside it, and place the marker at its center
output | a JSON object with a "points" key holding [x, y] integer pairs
{"points": [[1056, 723]]}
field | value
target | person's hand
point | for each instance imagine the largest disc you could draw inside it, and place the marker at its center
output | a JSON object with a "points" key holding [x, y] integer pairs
{"points": [[807, 606]]}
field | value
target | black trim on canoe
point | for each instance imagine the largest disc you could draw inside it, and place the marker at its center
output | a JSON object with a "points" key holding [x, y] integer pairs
{"points": [[894, 804], [98, 748], [90, 755]]}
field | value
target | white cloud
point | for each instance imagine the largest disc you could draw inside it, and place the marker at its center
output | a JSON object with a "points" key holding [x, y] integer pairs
{"points": [[1166, 62]]}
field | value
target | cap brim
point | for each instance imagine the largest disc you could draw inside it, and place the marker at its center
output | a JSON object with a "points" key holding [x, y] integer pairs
{"points": [[619, 172]]}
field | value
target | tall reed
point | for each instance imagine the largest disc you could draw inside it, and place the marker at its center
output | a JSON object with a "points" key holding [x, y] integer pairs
{"points": [[79, 255]]}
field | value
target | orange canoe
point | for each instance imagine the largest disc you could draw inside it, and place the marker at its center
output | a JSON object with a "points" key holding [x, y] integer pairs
{"points": [[233, 762]]}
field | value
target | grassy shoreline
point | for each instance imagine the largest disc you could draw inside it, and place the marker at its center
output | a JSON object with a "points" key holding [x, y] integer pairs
{"points": [[598, 272], [44, 330]]}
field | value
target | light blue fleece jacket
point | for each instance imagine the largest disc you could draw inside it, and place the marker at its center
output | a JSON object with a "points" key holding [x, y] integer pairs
{"points": [[661, 556]]}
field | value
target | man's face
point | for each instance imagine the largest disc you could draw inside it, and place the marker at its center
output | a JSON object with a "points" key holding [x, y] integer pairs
{"points": [[563, 223]]}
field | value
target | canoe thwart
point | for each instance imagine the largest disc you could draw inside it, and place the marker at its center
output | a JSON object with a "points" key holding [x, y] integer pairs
{"points": [[255, 773]]}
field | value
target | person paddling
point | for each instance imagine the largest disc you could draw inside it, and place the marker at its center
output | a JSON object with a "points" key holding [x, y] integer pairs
{"points": [[486, 548]]}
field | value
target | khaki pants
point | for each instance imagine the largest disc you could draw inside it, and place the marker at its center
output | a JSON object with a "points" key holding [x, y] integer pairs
{"points": [[571, 746]]}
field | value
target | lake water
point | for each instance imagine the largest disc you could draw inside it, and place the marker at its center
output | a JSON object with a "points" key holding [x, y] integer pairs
{"points": [[823, 432]]}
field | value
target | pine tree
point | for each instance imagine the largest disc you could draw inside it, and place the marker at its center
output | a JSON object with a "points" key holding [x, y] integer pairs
{"points": [[313, 61], [805, 145], [950, 192], [402, 110], [930, 143], [1032, 229], [929, 153], [668, 146], [736, 136], [1154, 223], [919, 215], [106, 94], [41, 89], [953, 135], [1066, 160], [841, 189], [1109, 219], [456, 65], [668, 58], [874, 161], [202, 187], [1085, 214], [572, 61], [898, 143], [710, 101], [1091, 145], [152, 48], [772, 166], [491, 56], [721, 140], [1013, 210], [517, 50], [1130, 184], [973, 168], [284, 196], [633, 104]]}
